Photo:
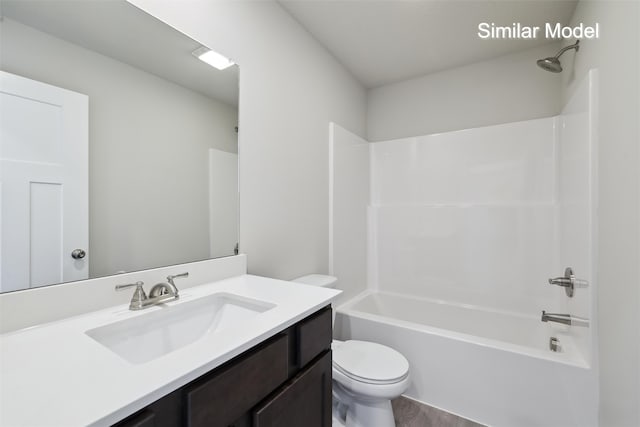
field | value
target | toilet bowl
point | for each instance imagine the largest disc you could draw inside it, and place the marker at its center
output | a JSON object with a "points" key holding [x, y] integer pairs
{"points": [[366, 376]]}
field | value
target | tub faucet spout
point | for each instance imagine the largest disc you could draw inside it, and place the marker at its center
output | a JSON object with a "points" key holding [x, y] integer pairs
{"points": [[565, 319]]}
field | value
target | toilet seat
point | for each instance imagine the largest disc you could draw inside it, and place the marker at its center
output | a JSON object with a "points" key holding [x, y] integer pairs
{"points": [[370, 363]]}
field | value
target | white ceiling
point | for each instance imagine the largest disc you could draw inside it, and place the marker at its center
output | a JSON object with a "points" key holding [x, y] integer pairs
{"points": [[392, 40], [121, 31]]}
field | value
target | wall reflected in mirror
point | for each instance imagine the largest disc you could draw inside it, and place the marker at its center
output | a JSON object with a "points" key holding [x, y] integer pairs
{"points": [[118, 147]]}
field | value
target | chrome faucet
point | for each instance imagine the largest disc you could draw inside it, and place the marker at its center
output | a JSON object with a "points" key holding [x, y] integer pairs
{"points": [[161, 292], [565, 319], [168, 288]]}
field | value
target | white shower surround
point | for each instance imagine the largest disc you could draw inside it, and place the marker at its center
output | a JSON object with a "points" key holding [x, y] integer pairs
{"points": [[467, 216], [464, 229]]}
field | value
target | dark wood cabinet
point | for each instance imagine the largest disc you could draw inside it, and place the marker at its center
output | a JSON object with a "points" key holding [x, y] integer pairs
{"points": [[144, 418], [283, 382], [313, 334], [303, 401], [244, 383], [166, 412]]}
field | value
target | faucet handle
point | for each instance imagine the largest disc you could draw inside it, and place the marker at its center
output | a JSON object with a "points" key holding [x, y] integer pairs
{"points": [[138, 295], [130, 285], [176, 276], [568, 282], [173, 285]]}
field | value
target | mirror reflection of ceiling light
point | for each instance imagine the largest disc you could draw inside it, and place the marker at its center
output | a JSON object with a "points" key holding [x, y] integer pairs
{"points": [[212, 58]]}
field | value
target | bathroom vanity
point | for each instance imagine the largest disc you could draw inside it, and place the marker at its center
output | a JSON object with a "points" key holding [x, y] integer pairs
{"points": [[284, 381], [242, 351]]}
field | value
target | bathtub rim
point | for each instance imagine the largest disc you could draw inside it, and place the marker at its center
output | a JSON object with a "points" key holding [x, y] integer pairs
{"points": [[347, 308]]}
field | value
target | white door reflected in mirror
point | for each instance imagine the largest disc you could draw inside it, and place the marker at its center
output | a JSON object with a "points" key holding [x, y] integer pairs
{"points": [[43, 183]]}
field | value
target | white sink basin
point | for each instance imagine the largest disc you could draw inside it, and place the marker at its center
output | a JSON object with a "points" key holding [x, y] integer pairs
{"points": [[168, 328]]}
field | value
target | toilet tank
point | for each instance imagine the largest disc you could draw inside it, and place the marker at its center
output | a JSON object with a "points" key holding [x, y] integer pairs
{"points": [[321, 280]]}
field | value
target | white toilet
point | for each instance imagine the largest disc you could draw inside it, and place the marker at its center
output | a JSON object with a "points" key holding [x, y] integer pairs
{"points": [[366, 376]]}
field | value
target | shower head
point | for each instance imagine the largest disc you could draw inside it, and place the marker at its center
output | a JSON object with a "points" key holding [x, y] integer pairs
{"points": [[552, 63]]}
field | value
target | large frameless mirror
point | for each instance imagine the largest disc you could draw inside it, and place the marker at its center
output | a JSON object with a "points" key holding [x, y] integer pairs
{"points": [[118, 146]]}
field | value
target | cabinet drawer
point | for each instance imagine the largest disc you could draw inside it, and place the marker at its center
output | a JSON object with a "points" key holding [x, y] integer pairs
{"points": [[314, 336], [144, 418], [221, 398], [303, 401], [165, 412]]}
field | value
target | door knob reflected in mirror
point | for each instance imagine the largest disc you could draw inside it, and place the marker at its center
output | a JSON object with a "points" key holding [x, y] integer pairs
{"points": [[78, 254]]}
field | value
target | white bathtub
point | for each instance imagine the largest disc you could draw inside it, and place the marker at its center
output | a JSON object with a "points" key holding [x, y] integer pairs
{"points": [[492, 367]]}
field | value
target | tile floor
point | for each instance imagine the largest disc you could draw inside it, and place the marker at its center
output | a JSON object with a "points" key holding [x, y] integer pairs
{"points": [[409, 413]]}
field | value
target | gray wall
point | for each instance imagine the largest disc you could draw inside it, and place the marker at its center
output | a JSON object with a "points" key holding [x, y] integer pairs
{"points": [[616, 55], [290, 89], [505, 89], [148, 193]]}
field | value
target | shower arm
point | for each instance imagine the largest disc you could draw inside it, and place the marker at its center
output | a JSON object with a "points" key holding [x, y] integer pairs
{"points": [[575, 46]]}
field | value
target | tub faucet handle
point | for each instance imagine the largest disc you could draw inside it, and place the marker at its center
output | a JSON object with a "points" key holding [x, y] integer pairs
{"points": [[568, 282]]}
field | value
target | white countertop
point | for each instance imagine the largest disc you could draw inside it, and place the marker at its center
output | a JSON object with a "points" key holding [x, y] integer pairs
{"points": [[55, 375]]}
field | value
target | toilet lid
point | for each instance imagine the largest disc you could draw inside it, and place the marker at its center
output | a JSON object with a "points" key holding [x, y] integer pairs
{"points": [[370, 362]]}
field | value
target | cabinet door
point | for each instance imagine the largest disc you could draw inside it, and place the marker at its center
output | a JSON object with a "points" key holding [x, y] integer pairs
{"points": [[303, 401], [165, 412], [314, 336], [218, 399]]}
